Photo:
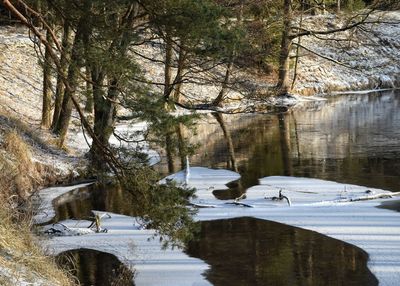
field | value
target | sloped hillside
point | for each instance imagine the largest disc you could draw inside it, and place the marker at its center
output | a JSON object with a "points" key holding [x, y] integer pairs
{"points": [[367, 58]]}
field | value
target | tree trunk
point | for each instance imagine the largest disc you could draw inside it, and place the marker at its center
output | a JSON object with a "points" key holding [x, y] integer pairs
{"points": [[224, 88], [89, 91], [104, 113], [62, 125], [97, 77], [64, 59], [283, 85], [181, 145], [37, 6], [47, 93], [169, 148], [105, 105], [179, 73], [167, 67]]}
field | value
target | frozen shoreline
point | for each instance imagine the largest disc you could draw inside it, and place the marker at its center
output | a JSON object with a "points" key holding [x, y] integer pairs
{"points": [[375, 230]]}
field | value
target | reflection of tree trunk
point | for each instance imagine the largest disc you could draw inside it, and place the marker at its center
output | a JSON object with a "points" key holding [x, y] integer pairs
{"points": [[296, 133], [283, 85], [46, 107], [228, 138], [284, 133], [297, 255], [169, 149], [310, 263], [65, 58]]}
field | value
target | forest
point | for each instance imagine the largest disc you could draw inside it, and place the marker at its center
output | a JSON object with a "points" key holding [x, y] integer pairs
{"points": [[162, 65]]}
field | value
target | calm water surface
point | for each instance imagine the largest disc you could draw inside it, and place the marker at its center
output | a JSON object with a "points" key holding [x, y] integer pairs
{"points": [[97, 268], [351, 139], [248, 251]]}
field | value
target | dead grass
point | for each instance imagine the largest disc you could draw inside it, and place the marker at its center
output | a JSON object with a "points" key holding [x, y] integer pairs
{"points": [[21, 260], [19, 174], [20, 257]]}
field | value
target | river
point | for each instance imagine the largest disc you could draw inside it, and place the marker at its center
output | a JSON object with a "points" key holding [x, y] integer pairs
{"points": [[350, 139]]}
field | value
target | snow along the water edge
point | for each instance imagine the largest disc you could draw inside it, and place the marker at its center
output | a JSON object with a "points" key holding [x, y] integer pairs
{"points": [[317, 205]]}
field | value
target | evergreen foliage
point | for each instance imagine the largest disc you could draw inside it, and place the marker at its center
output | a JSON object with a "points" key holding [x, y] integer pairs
{"points": [[96, 48]]}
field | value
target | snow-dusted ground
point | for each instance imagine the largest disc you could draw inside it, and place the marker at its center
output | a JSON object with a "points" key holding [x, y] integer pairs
{"points": [[366, 58], [131, 132], [317, 205]]}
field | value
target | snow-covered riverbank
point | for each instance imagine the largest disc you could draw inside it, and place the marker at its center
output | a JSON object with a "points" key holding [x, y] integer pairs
{"points": [[351, 60], [317, 205]]}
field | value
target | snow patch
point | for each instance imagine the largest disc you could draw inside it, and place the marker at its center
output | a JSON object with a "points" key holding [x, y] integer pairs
{"points": [[314, 207]]}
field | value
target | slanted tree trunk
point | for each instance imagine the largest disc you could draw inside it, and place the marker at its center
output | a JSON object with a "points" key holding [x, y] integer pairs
{"points": [[89, 91], [62, 73], [224, 88], [179, 73], [61, 127], [283, 85], [47, 93]]}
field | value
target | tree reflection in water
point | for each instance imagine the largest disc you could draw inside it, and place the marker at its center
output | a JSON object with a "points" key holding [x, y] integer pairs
{"points": [[93, 267], [249, 251]]}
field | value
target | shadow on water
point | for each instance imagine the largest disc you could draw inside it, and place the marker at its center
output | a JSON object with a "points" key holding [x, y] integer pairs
{"points": [[391, 205], [110, 198], [248, 251], [93, 267]]}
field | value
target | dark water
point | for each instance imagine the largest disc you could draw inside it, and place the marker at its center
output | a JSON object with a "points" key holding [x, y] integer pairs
{"points": [[97, 268], [391, 205], [248, 251], [350, 139], [109, 198]]}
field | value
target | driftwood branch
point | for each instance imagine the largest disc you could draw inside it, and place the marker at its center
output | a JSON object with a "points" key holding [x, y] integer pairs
{"points": [[369, 197]]}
